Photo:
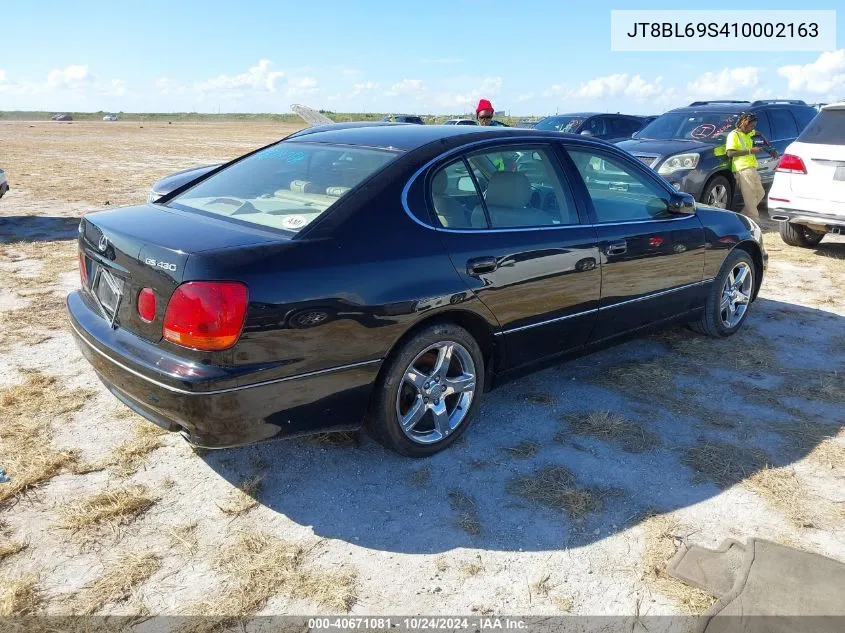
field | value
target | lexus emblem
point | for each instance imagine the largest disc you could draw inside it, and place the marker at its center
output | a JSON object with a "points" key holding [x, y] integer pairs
{"points": [[103, 244]]}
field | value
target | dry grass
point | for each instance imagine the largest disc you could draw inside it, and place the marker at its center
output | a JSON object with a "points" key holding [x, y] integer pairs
{"points": [[472, 569], [724, 464], [523, 450], [441, 564], [465, 506], [661, 533], [803, 436], [183, 536], [10, 548], [117, 583], [243, 498], [541, 587], [693, 353], [830, 453], [421, 478], [564, 604], [112, 508], [782, 490], [127, 458], [259, 567], [825, 386], [338, 438], [614, 428], [27, 410], [640, 377], [19, 596], [554, 487]]}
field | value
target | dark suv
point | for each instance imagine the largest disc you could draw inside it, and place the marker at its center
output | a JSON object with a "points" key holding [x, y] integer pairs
{"points": [[607, 127], [687, 145]]}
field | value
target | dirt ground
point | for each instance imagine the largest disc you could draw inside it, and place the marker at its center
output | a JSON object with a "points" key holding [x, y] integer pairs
{"points": [[567, 495]]}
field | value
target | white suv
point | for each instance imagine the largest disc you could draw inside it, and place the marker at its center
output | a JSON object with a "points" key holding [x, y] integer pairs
{"points": [[808, 193]]}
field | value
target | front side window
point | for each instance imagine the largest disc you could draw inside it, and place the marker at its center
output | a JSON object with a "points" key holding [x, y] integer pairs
{"points": [[511, 187], [568, 124], [286, 186], [620, 193]]}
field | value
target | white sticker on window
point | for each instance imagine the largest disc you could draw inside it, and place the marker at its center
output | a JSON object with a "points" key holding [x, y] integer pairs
{"points": [[294, 222]]}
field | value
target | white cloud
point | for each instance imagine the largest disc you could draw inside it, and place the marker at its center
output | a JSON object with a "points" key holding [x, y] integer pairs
{"points": [[726, 83], [407, 87], [305, 87], [258, 78], [555, 90], [488, 88], [167, 86], [527, 97], [2, 75], [114, 88], [350, 72], [617, 85], [363, 88], [73, 76], [824, 75]]}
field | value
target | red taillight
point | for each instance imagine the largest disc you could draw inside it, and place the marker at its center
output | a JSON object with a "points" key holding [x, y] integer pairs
{"points": [[791, 164], [206, 315], [147, 304], [83, 270]]}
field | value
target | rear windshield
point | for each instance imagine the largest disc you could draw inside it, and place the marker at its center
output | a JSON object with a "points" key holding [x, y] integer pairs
{"points": [[286, 186], [700, 126], [828, 128]]}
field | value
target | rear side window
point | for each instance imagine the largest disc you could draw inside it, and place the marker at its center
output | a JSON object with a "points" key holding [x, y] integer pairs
{"points": [[783, 124], [286, 186], [511, 187], [804, 116], [828, 128]]}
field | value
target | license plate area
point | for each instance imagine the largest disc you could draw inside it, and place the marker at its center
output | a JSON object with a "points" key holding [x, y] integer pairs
{"points": [[108, 290], [839, 174]]}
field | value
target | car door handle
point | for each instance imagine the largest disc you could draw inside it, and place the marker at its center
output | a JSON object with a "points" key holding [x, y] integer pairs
{"points": [[616, 248], [481, 265]]}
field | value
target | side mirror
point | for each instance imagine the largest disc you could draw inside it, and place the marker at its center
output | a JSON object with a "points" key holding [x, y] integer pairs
{"points": [[682, 203], [586, 133]]}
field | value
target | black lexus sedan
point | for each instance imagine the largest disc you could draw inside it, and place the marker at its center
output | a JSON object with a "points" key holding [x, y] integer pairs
{"points": [[388, 275]]}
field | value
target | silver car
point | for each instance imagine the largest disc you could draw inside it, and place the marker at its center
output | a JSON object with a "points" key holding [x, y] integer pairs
{"points": [[4, 183]]}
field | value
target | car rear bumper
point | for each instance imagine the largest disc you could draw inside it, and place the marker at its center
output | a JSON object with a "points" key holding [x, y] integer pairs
{"points": [[815, 220], [201, 401]]}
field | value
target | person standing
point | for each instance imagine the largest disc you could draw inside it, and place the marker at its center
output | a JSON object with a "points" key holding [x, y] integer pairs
{"points": [[740, 149]]}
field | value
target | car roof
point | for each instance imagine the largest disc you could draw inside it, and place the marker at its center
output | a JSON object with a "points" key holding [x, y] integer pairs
{"points": [[405, 136], [562, 114], [834, 106]]}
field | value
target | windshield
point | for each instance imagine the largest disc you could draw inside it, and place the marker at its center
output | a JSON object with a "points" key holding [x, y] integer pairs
{"points": [[699, 126], [286, 186], [560, 123]]}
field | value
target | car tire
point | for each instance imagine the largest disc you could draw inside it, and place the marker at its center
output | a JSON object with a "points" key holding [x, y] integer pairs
{"points": [[410, 387], [720, 190], [798, 235], [720, 318]]}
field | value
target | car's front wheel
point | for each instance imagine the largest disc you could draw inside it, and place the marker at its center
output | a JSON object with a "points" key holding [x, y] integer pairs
{"points": [[718, 193], [798, 235], [428, 390], [729, 298]]}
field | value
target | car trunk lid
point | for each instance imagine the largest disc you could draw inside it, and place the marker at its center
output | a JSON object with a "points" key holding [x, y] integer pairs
{"points": [[825, 177], [123, 251]]}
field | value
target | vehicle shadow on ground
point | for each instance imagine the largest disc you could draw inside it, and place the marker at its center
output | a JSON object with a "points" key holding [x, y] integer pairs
{"points": [[38, 228], [706, 415]]}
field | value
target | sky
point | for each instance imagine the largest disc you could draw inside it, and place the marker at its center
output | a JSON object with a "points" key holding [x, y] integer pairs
{"points": [[431, 57]]}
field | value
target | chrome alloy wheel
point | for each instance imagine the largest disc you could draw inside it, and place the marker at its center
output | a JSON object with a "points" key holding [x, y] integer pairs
{"points": [[718, 197], [436, 392], [736, 295]]}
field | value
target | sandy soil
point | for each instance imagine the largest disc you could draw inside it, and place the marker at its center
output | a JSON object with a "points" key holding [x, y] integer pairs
{"points": [[542, 508]]}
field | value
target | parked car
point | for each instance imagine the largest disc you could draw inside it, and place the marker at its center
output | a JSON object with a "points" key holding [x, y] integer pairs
{"points": [[110, 117], [687, 145], [185, 306], [61, 117], [404, 118], [463, 121], [808, 192], [4, 183], [607, 127]]}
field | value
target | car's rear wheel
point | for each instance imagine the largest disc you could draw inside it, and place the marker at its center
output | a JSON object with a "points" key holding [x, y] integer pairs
{"points": [[428, 390], [718, 193], [729, 298], [798, 235]]}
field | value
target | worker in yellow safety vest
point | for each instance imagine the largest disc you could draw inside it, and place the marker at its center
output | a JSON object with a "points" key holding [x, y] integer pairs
{"points": [[740, 149]]}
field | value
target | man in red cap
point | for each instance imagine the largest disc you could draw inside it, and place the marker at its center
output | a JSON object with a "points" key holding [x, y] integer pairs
{"points": [[484, 112]]}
